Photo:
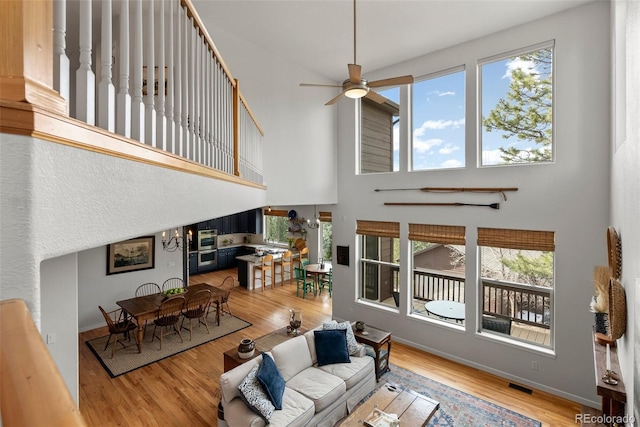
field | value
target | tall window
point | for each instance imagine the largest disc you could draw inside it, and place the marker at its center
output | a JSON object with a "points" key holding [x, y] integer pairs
{"points": [[379, 257], [517, 119], [326, 230], [276, 225], [438, 122], [438, 266], [517, 283], [379, 133]]}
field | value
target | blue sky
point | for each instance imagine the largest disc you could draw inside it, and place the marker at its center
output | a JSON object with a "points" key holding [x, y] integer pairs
{"points": [[439, 117]]}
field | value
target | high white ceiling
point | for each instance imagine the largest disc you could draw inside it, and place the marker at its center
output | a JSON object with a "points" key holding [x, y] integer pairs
{"points": [[318, 34]]}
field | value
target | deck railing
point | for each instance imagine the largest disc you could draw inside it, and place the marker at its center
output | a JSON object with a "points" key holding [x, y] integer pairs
{"points": [[152, 73], [522, 303]]}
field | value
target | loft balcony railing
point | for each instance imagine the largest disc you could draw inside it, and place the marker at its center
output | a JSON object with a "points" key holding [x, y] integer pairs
{"points": [[149, 71]]}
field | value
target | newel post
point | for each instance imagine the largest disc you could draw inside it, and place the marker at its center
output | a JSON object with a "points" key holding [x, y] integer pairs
{"points": [[26, 54]]}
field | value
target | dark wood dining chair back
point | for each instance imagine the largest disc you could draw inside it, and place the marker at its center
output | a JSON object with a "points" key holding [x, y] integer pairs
{"points": [[173, 283], [195, 308], [168, 316], [147, 289], [118, 324]]}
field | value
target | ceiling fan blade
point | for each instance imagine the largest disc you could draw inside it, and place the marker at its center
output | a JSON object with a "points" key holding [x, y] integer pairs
{"points": [[393, 81], [317, 85], [336, 99], [355, 73], [376, 97]]}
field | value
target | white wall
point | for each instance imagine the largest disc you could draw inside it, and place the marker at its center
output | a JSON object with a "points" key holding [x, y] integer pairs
{"points": [[625, 185], [569, 197]]}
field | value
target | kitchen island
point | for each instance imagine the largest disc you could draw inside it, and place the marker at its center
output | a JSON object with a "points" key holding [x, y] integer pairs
{"points": [[246, 263]]}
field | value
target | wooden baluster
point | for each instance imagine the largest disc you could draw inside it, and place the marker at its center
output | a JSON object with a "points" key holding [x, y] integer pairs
{"points": [[159, 42], [85, 78], [60, 59], [137, 106], [123, 100], [170, 135], [106, 90], [149, 113]]}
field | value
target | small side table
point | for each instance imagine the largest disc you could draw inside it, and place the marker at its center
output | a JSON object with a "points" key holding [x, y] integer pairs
{"points": [[376, 338]]}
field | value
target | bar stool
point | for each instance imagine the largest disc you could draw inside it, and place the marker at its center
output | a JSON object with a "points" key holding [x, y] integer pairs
{"points": [[285, 261], [265, 266]]}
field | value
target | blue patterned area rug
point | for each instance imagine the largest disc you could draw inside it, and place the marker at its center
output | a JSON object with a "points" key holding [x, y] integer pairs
{"points": [[457, 408]]}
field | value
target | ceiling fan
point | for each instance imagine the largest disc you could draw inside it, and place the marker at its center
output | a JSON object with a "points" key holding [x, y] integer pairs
{"points": [[355, 86]]}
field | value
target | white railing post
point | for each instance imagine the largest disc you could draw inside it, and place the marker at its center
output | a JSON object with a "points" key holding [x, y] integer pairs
{"points": [[159, 41], [85, 78], [106, 90], [123, 100], [149, 112], [187, 152], [177, 104], [60, 58], [170, 127], [137, 106]]}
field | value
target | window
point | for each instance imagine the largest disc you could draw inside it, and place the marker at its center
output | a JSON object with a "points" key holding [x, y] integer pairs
{"points": [[438, 108], [327, 235], [276, 225], [438, 266], [379, 255], [517, 282], [517, 119], [379, 133]]}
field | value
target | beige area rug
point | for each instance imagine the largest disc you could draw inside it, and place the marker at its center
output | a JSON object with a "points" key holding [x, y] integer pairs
{"points": [[128, 359]]}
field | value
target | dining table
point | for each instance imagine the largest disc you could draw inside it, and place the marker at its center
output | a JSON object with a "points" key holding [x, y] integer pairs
{"points": [[317, 271], [446, 309], [144, 308]]}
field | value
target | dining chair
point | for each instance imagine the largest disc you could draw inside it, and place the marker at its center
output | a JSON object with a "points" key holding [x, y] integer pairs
{"points": [[303, 282], [326, 280], [118, 323], [228, 284], [266, 266], [285, 263], [303, 256], [172, 283], [168, 316], [147, 289], [195, 308]]}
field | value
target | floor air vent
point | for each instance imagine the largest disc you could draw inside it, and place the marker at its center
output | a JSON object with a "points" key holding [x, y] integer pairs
{"points": [[521, 388]]}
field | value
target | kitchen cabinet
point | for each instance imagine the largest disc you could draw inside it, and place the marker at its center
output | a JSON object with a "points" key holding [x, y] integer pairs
{"points": [[193, 263], [227, 257]]}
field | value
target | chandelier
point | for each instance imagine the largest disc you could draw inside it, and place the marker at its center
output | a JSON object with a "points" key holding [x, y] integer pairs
{"points": [[315, 222], [176, 242]]}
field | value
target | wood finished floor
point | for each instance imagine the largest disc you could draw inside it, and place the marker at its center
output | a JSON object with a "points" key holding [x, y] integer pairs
{"points": [[182, 390]]}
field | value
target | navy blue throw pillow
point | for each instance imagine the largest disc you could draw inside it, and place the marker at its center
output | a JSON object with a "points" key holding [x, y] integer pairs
{"points": [[271, 380], [331, 346]]}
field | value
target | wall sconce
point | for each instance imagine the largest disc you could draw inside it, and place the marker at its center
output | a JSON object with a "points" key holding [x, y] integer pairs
{"points": [[176, 242]]}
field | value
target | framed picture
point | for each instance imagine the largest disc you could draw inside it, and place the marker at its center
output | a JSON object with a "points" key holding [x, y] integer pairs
{"points": [[131, 255]]}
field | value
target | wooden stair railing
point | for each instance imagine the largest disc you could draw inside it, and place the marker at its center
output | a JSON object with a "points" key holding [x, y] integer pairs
{"points": [[32, 391]]}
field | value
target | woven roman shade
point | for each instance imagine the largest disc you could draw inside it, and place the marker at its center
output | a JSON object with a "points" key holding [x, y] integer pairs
{"points": [[276, 212], [444, 234], [325, 216], [378, 228], [517, 239]]}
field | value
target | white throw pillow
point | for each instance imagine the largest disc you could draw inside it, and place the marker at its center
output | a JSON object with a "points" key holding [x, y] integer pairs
{"points": [[352, 344], [254, 396]]}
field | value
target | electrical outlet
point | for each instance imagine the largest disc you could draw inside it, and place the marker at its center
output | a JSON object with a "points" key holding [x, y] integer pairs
{"points": [[534, 365], [51, 338]]}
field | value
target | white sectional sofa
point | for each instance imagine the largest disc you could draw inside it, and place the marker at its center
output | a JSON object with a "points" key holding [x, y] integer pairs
{"points": [[313, 395]]}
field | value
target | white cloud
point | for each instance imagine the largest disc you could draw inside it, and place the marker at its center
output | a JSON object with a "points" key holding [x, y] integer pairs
{"points": [[438, 125], [519, 64], [491, 157], [422, 147], [447, 93], [448, 149], [452, 163]]}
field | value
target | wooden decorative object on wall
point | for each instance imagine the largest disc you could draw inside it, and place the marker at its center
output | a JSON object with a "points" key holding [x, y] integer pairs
{"points": [[617, 310], [614, 246]]}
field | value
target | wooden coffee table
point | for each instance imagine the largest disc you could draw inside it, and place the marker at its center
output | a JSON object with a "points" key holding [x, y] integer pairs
{"points": [[413, 409]]}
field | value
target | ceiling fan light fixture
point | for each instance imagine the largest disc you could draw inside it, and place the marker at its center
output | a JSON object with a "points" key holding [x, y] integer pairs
{"points": [[355, 91]]}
